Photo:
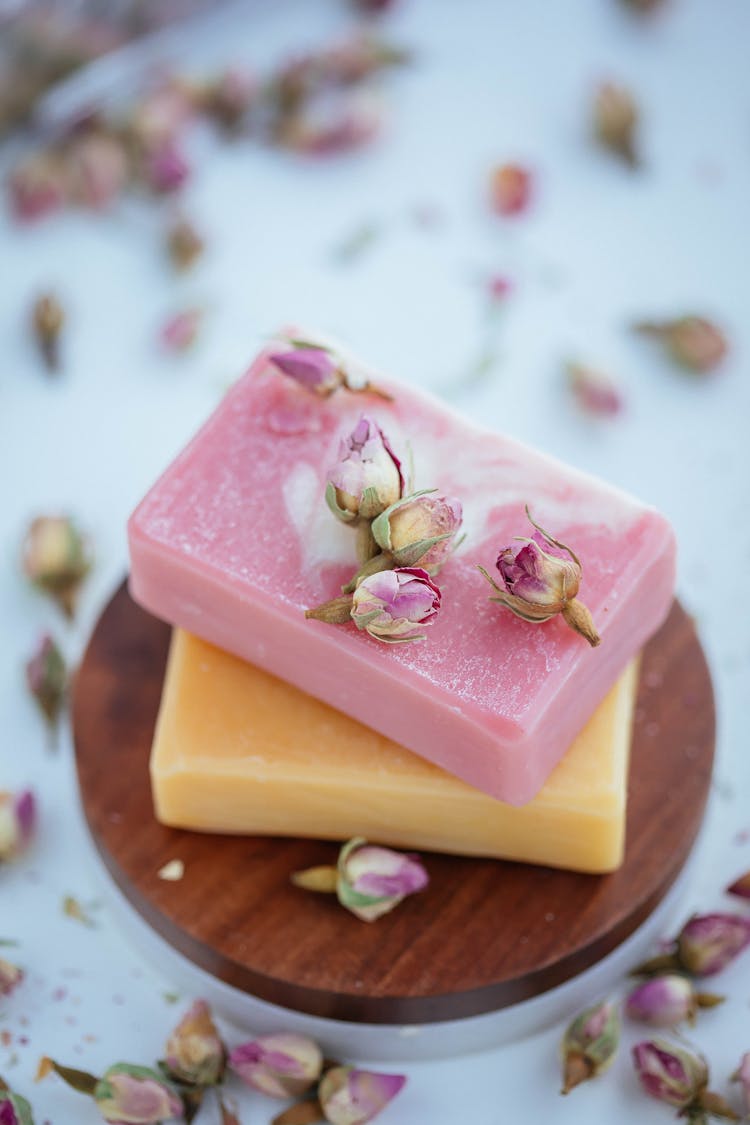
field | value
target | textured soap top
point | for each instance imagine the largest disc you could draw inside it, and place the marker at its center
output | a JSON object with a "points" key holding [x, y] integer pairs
{"points": [[235, 541]]}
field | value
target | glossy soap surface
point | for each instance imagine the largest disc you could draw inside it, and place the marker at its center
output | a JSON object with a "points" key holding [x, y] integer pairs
{"points": [[235, 541]]}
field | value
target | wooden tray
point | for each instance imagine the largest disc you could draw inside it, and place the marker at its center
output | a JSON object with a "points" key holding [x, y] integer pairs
{"points": [[486, 934]]}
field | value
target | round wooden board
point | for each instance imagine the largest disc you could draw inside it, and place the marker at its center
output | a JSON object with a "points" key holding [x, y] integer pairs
{"points": [[485, 934]]}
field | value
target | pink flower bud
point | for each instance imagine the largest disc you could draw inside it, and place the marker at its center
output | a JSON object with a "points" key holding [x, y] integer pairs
{"points": [[56, 558], [510, 189], [372, 880], [589, 1044], [10, 977], [499, 288], [419, 530], [14, 1110], [37, 187], [664, 1001], [367, 477], [594, 392], [707, 943], [391, 604], [97, 170], [229, 98], [17, 822], [165, 168], [47, 679], [742, 1075], [180, 332], [740, 887], [615, 121], [332, 122], [195, 1053], [353, 1097], [670, 1073], [184, 244], [313, 368], [135, 1095], [693, 342], [283, 1065]]}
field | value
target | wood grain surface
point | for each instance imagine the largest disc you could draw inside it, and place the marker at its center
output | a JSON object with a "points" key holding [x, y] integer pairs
{"points": [[484, 935]]}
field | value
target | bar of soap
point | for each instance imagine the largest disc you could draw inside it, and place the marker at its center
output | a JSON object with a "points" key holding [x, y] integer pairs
{"points": [[235, 541], [237, 750]]}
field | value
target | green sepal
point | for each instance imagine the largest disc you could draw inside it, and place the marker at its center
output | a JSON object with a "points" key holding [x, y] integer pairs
{"points": [[340, 513], [22, 1108]]}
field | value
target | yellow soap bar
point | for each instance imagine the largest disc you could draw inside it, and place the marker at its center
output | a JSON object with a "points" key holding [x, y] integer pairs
{"points": [[237, 750]]}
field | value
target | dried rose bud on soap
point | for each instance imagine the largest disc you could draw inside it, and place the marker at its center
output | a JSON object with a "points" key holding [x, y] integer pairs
{"points": [[589, 1044], [419, 530], [57, 557], [393, 605], [283, 1065], [17, 823], [616, 120], [693, 342], [350, 1096], [367, 477], [664, 1001], [313, 368]]}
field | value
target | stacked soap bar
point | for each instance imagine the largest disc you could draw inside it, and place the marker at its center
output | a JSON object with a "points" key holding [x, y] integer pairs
{"points": [[234, 542], [238, 750]]}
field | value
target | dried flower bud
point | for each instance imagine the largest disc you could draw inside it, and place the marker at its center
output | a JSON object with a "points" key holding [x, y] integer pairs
{"points": [[678, 1077], [47, 679], [373, 880], [56, 558], [499, 288], [14, 1110], [97, 170], [594, 392], [539, 582], [313, 368], [229, 98], [742, 1075], [180, 331], [10, 977], [589, 1044], [352, 1097], [283, 1065], [693, 342], [37, 187], [616, 121], [510, 189], [165, 168], [332, 122], [419, 530], [367, 477], [705, 945], [47, 319], [161, 116], [184, 244], [17, 822], [741, 886], [391, 605], [135, 1094], [195, 1053], [664, 1001]]}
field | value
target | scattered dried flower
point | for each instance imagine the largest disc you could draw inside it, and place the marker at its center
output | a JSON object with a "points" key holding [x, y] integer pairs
{"points": [[97, 170], [678, 1077], [72, 908], [349, 1096], [10, 977], [47, 679], [539, 582], [694, 343], [312, 367], [165, 168], [742, 1075], [499, 288], [124, 1093], [283, 1065], [589, 1044], [37, 187], [705, 945], [180, 331], [172, 871], [368, 880], [615, 121], [392, 606], [56, 558], [741, 886], [367, 477], [229, 97], [594, 392], [666, 1000], [17, 823], [47, 320], [14, 1110], [184, 244], [419, 530], [511, 187], [333, 122], [195, 1054]]}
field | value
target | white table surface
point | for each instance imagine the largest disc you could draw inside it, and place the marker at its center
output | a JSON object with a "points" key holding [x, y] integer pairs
{"points": [[493, 81]]}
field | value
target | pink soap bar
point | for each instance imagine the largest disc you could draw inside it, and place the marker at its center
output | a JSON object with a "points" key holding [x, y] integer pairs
{"points": [[235, 541]]}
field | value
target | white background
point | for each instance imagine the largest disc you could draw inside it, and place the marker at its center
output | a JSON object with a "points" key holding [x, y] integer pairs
{"points": [[492, 81]]}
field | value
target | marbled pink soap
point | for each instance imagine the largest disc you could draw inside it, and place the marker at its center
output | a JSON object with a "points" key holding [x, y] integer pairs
{"points": [[235, 541]]}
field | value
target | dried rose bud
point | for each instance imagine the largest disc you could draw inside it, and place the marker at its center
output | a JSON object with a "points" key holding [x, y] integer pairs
{"points": [[47, 679], [511, 187], [349, 1096], [693, 342], [14, 1110], [539, 582], [373, 880], [180, 331], [705, 945], [47, 319], [229, 98], [332, 122], [17, 822], [135, 1094], [165, 168], [664, 1001], [616, 120], [367, 477], [184, 244], [161, 116], [594, 392], [283, 1065], [392, 605], [499, 288], [56, 558], [742, 1075], [589, 1044], [670, 1073], [37, 187], [741, 886], [312, 367], [419, 530], [10, 977], [97, 170], [195, 1053]]}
